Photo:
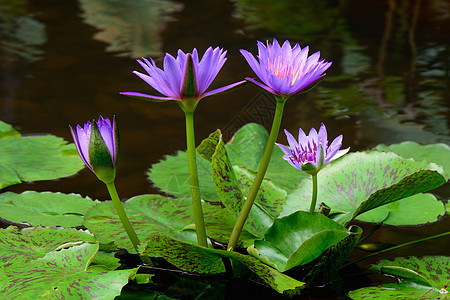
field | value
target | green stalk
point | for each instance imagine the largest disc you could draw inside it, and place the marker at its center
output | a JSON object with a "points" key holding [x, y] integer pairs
{"points": [[396, 247], [125, 222], [314, 194], [259, 175], [193, 178]]}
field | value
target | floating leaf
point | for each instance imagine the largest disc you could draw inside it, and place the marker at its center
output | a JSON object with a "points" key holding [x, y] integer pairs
{"points": [[432, 153], [431, 270], [156, 214], [298, 239], [200, 260], [171, 176], [414, 210], [405, 290], [62, 275], [107, 260], [45, 208], [359, 182], [7, 131], [21, 246], [37, 158], [423, 278]]}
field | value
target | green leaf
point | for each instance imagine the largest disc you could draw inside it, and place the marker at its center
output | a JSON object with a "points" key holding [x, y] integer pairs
{"points": [[171, 176], [432, 153], [423, 278], [229, 191], [246, 147], [433, 271], [359, 182], [155, 214], [200, 260], [405, 290], [298, 239], [19, 247], [107, 260], [45, 208], [62, 275], [37, 158], [414, 210], [332, 259], [7, 131]]}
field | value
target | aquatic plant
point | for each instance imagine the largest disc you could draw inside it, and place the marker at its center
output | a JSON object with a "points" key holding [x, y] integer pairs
{"points": [[275, 232]]}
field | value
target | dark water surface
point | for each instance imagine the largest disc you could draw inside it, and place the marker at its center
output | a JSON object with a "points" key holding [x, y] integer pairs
{"points": [[65, 62]]}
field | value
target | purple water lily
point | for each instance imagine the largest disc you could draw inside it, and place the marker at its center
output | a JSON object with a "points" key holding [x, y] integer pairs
{"points": [[184, 78], [284, 70], [98, 146], [312, 152]]}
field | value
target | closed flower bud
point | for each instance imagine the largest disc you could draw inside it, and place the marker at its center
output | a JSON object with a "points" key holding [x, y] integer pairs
{"points": [[98, 146]]}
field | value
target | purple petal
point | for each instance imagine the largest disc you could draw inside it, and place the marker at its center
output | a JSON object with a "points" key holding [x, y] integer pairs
{"points": [[285, 149], [105, 129], [334, 147], [222, 89], [145, 96], [323, 136], [252, 63], [81, 139], [293, 145], [302, 139], [173, 73], [163, 88], [267, 88]]}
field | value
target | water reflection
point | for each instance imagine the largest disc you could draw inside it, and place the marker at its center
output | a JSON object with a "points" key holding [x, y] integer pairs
{"points": [[130, 28], [388, 82]]}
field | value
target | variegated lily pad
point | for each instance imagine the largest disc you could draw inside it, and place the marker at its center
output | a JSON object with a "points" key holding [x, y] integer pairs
{"points": [[62, 275]]}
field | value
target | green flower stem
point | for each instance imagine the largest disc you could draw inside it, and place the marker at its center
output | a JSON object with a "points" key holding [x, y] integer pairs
{"points": [[396, 247], [259, 176], [193, 178], [124, 219], [314, 194]]}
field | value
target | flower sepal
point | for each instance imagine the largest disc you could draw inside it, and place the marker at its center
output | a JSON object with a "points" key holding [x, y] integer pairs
{"points": [[100, 158], [310, 168]]}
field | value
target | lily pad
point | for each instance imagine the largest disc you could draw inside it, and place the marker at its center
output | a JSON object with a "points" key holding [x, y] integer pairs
{"points": [[359, 182], [171, 176], [200, 260], [298, 239], [432, 153], [414, 210], [19, 247], [156, 214], [62, 275], [45, 208], [431, 270], [405, 290], [422, 278], [7, 131], [36, 158]]}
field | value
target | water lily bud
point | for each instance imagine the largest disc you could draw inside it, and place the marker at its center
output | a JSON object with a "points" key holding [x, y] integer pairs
{"points": [[98, 146]]}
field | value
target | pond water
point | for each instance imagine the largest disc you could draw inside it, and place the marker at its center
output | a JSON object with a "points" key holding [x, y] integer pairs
{"points": [[65, 62]]}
